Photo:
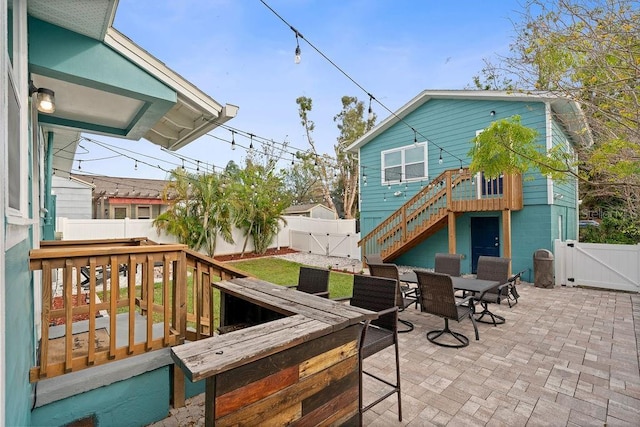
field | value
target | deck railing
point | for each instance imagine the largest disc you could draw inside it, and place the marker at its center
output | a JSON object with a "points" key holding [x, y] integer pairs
{"points": [[425, 213], [107, 300]]}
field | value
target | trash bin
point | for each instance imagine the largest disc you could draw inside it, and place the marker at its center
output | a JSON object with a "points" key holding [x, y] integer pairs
{"points": [[543, 274]]}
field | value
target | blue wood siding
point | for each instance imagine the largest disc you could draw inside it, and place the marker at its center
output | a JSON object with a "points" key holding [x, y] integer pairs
{"points": [[19, 337]]}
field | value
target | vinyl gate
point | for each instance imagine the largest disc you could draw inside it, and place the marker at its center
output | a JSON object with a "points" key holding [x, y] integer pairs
{"points": [[598, 265], [330, 244]]}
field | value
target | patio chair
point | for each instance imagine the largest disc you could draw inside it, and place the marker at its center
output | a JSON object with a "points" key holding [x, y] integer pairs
{"points": [[313, 280], [405, 295], [373, 259], [448, 264], [377, 294], [437, 294], [495, 269]]}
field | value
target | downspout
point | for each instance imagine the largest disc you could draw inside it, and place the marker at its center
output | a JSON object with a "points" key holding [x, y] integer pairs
{"points": [[48, 203]]}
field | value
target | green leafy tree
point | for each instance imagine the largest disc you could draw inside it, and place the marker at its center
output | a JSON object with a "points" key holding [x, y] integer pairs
{"points": [[197, 212], [507, 146], [340, 173], [588, 52]]}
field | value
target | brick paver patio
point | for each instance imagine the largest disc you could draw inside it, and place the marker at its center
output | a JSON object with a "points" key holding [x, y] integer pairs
{"points": [[564, 357]]}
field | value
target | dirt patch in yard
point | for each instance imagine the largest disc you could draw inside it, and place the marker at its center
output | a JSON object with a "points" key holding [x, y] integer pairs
{"points": [[251, 255]]}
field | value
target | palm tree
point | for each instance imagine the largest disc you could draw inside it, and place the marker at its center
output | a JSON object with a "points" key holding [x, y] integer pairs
{"points": [[198, 210]]}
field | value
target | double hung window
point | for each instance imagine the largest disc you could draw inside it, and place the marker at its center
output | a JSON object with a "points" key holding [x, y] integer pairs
{"points": [[404, 164]]}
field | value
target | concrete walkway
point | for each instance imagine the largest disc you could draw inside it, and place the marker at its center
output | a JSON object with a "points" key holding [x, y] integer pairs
{"points": [[564, 357]]}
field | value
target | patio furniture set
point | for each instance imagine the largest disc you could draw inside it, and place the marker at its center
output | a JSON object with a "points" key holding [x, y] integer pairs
{"points": [[442, 292]]}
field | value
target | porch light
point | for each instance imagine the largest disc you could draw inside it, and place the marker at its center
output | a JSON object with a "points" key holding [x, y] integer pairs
{"points": [[45, 98]]}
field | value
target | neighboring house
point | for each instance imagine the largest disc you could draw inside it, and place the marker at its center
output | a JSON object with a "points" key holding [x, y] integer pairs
{"points": [[103, 84], [72, 198], [119, 198], [421, 198], [311, 210]]}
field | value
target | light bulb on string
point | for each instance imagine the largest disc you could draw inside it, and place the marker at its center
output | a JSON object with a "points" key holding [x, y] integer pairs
{"points": [[440, 159], [415, 137], [197, 165], [461, 168], [233, 140], [292, 162], [251, 141], [370, 116], [135, 165], [296, 57], [79, 165]]}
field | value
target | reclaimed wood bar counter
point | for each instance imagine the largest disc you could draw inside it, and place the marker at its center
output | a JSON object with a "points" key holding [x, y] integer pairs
{"points": [[296, 363]]}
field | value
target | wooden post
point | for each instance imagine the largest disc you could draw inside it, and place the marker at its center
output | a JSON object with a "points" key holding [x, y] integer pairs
{"points": [[452, 232], [506, 233]]}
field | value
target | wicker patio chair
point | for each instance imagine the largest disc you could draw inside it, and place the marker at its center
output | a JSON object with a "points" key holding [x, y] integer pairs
{"points": [[377, 294], [495, 269], [448, 264], [313, 280], [436, 292], [405, 295]]}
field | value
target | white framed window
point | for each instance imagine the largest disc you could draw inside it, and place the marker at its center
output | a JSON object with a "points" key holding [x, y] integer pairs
{"points": [[15, 186], [404, 164]]}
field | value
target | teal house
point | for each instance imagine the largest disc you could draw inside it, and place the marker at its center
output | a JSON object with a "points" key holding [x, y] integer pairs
{"points": [[64, 71], [418, 198]]}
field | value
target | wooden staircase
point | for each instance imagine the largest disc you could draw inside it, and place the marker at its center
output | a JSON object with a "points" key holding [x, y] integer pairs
{"points": [[453, 192]]}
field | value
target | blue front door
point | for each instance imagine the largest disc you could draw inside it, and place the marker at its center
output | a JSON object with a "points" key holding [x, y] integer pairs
{"points": [[485, 239]]}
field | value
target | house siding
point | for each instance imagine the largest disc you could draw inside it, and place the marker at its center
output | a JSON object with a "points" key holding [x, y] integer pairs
{"points": [[19, 338], [138, 401], [451, 124]]}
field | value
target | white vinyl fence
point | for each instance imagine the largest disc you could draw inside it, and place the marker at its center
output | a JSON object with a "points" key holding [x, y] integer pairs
{"points": [[310, 235], [599, 265]]}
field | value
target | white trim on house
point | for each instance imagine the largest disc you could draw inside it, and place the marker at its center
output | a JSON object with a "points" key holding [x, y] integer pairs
{"points": [[195, 113], [549, 145], [4, 64]]}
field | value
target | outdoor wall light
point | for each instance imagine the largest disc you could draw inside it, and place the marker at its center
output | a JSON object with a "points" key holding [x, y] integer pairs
{"points": [[45, 98], [558, 196]]}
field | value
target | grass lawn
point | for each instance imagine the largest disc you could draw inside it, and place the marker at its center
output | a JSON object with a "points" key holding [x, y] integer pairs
{"points": [[284, 272]]}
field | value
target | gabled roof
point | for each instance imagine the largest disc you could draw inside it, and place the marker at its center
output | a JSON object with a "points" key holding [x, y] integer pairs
{"points": [[567, 111], [304, 208]]}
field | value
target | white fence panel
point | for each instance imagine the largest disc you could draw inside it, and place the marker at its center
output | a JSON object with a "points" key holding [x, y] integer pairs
{"points": [[606, 266], [339, 235]]}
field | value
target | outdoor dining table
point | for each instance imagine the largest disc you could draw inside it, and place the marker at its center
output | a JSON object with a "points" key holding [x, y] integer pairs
{"points": [[466, 284]]}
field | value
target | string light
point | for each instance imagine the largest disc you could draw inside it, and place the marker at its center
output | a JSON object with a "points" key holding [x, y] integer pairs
{"points": [[135, 166], [370, 116], [461, 168], [296, 57], [233, 140], [79, 164], [251, 143], [415, 137], [298, 34], [440, 159]]}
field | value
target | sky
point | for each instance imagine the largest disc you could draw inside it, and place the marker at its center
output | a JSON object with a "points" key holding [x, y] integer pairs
{"points": [[240, 52]]}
